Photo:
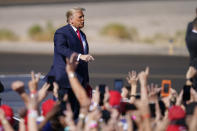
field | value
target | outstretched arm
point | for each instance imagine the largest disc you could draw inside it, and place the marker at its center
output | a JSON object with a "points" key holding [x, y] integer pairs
{"points": [[132, 80], [62, 47], [77, 88], [143, 104]]}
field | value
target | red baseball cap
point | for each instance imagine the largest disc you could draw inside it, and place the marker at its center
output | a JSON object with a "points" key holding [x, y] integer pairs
{"points": [[175, 113], [47, 106], [8, 113], [115, 98]]}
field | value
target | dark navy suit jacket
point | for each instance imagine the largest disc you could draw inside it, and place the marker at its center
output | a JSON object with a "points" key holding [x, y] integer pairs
{"points": [[67, 42], [188, 31]]}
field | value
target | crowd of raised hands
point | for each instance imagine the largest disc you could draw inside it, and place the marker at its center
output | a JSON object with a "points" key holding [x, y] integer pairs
{"points": [[119, 111]]}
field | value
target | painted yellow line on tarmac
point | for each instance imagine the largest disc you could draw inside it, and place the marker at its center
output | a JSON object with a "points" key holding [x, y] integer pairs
{"points": [[120, 75]]}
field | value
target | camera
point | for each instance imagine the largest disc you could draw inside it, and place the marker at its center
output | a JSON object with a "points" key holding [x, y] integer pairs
{"points": [[186, 93], [102, 93]]}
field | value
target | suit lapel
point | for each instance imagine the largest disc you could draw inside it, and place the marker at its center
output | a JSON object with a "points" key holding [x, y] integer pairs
{"points": [[74, 34]]}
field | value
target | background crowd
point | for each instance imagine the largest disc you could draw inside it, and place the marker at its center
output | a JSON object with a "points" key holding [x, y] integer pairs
{"points": [[105, 110]]}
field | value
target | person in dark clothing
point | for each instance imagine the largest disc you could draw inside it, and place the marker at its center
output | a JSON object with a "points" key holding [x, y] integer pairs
{"points": [[189, 28], [191, 42], [1, 87]]}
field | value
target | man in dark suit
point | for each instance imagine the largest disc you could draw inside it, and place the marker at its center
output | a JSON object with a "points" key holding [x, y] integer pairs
{"points": [[70, 39]]}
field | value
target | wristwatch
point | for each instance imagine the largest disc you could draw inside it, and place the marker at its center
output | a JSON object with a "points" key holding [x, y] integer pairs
{"points": [[71, 75]]}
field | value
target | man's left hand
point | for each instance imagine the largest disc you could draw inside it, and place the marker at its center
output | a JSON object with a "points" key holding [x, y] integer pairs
{"points": [[87, 58]]}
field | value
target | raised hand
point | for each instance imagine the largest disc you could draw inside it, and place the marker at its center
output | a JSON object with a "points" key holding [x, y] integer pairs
{"points": [[18, 86], [193, 123], [153, 90], [69, 117], [124, 93], [2, 115], [22, 112], [191, 72], [106, 95], [96, 96], [33, 83], [132, 78], [143, 76], [92, 122], [72, 63], [42, 93], [4, 122], [55, 89], [147, 70]]}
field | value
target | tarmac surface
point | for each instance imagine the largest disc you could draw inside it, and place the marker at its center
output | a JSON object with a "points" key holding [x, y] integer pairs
{"points": [[96, 49]]}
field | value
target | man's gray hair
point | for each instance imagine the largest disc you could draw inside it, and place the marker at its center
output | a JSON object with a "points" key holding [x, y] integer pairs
{"points": [[70, 12]]}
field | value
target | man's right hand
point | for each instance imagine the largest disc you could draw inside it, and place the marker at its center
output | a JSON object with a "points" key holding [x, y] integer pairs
{"points": [[87, 58], [191, 72]]}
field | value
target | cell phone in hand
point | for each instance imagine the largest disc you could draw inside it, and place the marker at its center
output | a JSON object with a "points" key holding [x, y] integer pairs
{"points": [[102, 88], [129, 106], [50, 81], [102, 93], [118, 85], [152, 109], [165, 88], [186, 93]]}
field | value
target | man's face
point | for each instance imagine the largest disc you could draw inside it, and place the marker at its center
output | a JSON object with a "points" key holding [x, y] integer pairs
{"points": [[77, 20]]}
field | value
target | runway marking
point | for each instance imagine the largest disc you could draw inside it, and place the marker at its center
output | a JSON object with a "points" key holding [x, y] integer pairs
{"points": [[19, 75], [121, 75], [103, 75]]}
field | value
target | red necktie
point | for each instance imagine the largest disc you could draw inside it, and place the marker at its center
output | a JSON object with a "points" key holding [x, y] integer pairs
{"points": [[78, 34]]}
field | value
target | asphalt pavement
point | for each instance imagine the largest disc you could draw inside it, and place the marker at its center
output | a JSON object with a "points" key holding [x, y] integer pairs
{"points": [[105, 68]]}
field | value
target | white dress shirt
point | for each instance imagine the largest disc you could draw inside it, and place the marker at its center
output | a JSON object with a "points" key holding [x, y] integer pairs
{"points": [[83, 42]]}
